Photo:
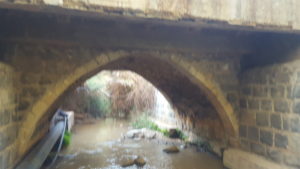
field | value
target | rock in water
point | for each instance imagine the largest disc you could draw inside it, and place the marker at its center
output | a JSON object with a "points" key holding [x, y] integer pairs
{"points": [[127, 163], [150, 134], [172, 149], [139, 161]]}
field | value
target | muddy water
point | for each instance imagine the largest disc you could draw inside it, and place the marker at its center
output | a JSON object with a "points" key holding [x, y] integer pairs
{"points": [[97, 145]]}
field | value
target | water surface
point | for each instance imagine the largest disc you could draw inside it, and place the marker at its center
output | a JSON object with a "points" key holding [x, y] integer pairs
{"points": [[98, 146]]}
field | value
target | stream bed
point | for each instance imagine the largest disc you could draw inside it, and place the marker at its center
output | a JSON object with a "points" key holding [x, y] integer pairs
{"points": [[98, 146]]}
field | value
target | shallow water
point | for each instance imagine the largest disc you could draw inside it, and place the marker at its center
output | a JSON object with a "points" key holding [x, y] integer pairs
{"points": [[97, 146]]}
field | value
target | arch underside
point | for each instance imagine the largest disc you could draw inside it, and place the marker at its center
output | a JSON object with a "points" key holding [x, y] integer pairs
{"points": [[191, 96]]}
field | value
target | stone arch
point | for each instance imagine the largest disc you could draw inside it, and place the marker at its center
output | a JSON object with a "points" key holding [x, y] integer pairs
{"points": [[205, 83]]}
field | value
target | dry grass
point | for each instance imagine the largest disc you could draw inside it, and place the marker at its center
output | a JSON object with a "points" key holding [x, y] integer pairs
{"points": [[130, 92]]}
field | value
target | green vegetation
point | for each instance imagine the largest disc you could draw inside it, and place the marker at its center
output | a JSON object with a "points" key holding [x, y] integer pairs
{"points": [[182, 136], [98, 105], [67, 139], [145, 122]]}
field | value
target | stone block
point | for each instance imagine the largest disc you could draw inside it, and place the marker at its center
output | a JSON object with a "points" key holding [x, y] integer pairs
{"points": [[295, 124], [229, 87], [232, 98], [276, 121], [281, 106], [281, 141], [294, 143], [253, 133], [260, 91], [248, 118], [285, 123], [262, 119], [5, 160], [277, 91], [243, 131], [275, 155], [23, 105], [253, 104], [245, 145], [258, 149], [296, 108], [243, 103], [296, 92], [238, 159], [5, 118], [260, 79], [280, 77], [247, 91], [266, 105], [266, 137], [289, 92]]}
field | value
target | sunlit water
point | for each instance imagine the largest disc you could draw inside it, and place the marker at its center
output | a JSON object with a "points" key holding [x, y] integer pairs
{"points": [[98, 145]]}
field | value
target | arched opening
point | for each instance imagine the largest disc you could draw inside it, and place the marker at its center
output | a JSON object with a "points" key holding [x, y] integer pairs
{"points": [[172, 78], [151, 120]]}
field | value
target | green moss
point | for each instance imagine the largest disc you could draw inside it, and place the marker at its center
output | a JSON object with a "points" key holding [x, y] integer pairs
{"points": [[67, 138]]}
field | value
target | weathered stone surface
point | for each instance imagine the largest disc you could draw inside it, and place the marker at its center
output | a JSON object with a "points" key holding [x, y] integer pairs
{"points": [[7, 137], [266, 105], [243, 131], [127, 163], [247, 91], [294, 143], [253, 104], [232, 97], [243, 103], [237, 159], [292, 160], [253, 133], [281, 141], [262, 119], [281, 77], [248, 118], [276, 121], [260, 92], [23, 105], [258, 148], [296, 108], [245, 145], [266, 137], [277, 91], [5, 118], [139, 161], [275, 155], [294, 124], [296, 92], [285, 123], [281, 106], [171, 149]]}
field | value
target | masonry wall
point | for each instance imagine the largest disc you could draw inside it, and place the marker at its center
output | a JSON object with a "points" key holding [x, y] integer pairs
{"points": [[41, 69], [8, 121], [270, 112]]}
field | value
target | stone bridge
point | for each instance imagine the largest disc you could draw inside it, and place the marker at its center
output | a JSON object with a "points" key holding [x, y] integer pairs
{"points": [[231, 67]]}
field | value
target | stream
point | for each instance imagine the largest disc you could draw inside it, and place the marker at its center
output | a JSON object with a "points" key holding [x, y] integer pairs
{"points": [[98, 146]]}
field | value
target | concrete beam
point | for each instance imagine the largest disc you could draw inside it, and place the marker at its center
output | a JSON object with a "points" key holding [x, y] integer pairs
{"points": [[280, 15]]}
